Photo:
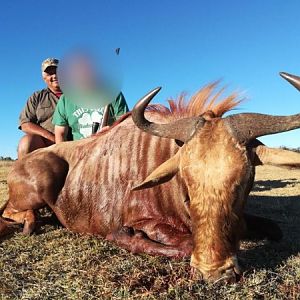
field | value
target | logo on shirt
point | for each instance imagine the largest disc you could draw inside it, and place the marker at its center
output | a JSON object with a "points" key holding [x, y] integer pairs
{"points": [[86, 117]]}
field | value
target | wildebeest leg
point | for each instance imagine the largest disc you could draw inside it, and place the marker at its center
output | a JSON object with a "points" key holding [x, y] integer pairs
{"points": [[137, 242], [259, 228], [167, 235], [34, 182], [26, 217]]}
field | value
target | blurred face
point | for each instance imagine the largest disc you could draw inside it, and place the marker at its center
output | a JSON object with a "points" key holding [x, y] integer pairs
{"points": [[50, 78]]}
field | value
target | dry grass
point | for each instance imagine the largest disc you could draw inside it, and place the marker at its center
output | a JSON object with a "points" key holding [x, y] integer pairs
{"points": [[4, 168], [57, 264]]}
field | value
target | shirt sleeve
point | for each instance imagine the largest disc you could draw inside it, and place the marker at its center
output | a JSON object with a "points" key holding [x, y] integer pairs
{"points": [[59, 116], [119, 107], [28, 114]]}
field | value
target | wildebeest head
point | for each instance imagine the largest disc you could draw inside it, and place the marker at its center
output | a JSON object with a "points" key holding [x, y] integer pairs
{"points": [[216, 162]]}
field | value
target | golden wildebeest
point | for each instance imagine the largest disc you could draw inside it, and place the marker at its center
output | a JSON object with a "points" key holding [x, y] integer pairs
{"points": [[205, 162]]}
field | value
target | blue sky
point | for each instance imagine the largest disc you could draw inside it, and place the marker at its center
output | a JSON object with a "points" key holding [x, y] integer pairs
{"points": [[179, 45]]}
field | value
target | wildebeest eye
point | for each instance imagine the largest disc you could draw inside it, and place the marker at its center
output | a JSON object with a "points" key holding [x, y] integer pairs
{"points": [[179, 143]]}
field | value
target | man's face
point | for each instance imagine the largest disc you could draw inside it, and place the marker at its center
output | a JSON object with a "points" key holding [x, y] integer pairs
{"points": [[50, 78]]}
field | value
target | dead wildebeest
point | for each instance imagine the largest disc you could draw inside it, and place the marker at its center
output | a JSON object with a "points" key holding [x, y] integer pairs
{"points": [[205, 162]]}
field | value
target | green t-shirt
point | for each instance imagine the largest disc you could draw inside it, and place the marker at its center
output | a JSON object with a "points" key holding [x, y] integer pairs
{"points": [[80, 119]]}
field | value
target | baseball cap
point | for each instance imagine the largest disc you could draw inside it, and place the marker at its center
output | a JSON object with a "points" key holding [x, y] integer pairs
{"points": [[49, 62]]}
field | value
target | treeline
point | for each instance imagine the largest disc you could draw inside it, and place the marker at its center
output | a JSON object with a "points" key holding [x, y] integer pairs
{"points": [[6, 158], [291, 149]]}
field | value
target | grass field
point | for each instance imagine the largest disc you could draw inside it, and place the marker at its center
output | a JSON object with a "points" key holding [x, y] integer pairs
{"points": [[56, 264]]}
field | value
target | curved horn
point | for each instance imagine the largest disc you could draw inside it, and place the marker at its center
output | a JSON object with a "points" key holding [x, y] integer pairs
{"points": [[248, 126], [292, 79], [181, 129]]}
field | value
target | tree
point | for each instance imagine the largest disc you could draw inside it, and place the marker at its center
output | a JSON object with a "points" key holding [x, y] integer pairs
{"points": [[6, 158]]}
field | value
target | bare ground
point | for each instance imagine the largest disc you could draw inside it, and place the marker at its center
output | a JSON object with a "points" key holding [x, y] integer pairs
{"points": [[57, 264]]}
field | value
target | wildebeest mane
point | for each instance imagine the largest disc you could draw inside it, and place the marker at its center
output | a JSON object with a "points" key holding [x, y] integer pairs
{"points": [[209, 98]]}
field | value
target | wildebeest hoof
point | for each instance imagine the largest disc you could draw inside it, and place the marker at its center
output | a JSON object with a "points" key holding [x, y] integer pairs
{"points": [[7, 227], [3, 228]]}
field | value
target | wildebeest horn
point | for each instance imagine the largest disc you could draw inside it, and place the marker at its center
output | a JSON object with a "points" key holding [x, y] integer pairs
{"points": [[181, 129], [292, 79], [248, 126]]}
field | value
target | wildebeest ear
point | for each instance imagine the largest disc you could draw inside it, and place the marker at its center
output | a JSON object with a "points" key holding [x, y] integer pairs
{"points": [[277, 157], [161, 174]]}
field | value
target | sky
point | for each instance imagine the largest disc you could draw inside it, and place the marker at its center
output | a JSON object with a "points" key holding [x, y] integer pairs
{"points": [[179, 45]]}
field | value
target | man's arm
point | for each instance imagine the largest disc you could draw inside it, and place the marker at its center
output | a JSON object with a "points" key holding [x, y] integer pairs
{"points": [[60, 133], [32, 128], [28, 118], [60, 121]]}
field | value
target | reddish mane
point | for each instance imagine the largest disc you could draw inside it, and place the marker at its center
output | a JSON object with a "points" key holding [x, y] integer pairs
{"points": [[206, 99]]}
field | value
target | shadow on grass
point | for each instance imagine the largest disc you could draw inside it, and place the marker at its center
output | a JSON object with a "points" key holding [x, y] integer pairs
{"points": [[267, 185], [285, 210], [276, 207]]}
